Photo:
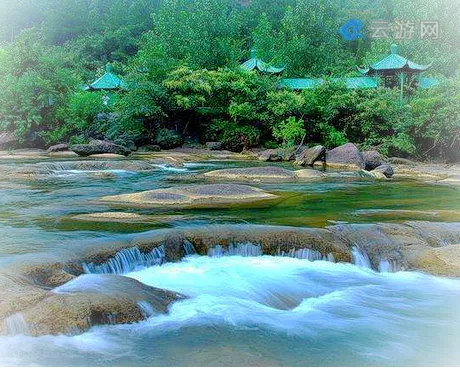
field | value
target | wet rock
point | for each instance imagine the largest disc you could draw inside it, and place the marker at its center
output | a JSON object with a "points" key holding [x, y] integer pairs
{"points": [[214, 146], [384, 169], [58, 148], [275, 155], [98, 147], [308, 156], [347, 156], [309, 174], [443, 261], [372, 159], [91, 300], [207, 195]]}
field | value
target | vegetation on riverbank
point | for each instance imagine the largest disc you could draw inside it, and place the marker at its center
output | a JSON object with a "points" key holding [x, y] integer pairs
{"points": [[180, 61]]}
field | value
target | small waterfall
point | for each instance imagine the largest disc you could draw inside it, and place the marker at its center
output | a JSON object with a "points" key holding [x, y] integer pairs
{"points": [[188, 248], [127, 260], [389, 266], [360, 257], [16, 325], [146, 308], [309, 254], [241, 249]]}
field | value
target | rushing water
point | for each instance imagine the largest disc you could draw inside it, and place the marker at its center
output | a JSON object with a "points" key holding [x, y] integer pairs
{"points": [[270, 311], [299, 308]]}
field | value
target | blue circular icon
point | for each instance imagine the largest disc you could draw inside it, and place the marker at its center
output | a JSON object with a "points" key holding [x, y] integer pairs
{"points": [[351, 30]]}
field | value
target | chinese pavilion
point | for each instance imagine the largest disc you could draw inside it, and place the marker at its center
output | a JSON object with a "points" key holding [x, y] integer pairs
{"points": [[255, 63], [108, 82], [395, 70]]}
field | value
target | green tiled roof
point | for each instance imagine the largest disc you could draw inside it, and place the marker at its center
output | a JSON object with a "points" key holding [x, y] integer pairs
{"points": [[428, 82], [256, 64], [394, 62], [108, 81], [300, 83], [307, 83]]}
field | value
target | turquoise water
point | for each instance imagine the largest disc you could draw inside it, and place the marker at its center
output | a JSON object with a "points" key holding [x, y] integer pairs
{"points": [[243, 311]]}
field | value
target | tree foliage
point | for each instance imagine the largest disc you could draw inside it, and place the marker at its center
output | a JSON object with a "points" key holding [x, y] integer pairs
{"points": [[180, 59]]}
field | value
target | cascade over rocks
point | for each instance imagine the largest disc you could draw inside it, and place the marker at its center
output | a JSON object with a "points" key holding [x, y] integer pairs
{"points": [[98, 147], [54, 296]]}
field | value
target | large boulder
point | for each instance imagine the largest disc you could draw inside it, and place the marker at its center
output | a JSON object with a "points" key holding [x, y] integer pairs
{"points": [[7, 140], [58, 148], [347, 156], [372, 159], [307, 156], [384, 169], [97, 147], [206, 195], [83, 302]]}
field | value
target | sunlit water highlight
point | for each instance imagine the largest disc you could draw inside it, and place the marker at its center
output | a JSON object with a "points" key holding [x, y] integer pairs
{"points": [[270, 311]]}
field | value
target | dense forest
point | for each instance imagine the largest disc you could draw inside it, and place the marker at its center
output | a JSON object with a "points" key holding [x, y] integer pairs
{"points": [[180, 60]]}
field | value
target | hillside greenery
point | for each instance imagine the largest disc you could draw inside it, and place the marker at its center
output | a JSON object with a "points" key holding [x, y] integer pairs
{"points": [[180, 60]]}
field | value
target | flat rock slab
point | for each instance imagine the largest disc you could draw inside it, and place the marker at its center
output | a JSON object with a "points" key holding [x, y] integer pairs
{"points": [[260, 173], [206, 195], [443, 261], [125, 217]]}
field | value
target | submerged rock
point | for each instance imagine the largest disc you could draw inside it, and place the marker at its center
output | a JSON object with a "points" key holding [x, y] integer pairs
{"points": [[97, 147], [347, 156], [206, 195], [308, 156]]}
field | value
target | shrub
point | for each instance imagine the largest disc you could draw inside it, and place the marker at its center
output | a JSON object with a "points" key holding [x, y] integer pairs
{"points": [[289, 131], [167, 139]]}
